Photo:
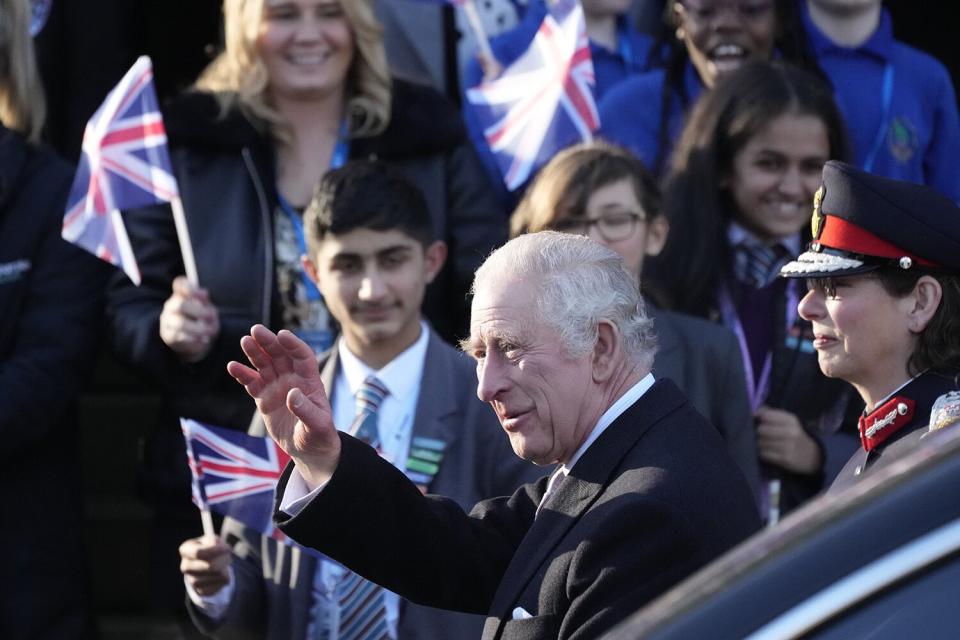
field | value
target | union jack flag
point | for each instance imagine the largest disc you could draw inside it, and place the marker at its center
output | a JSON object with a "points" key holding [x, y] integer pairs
{"points": [[124, 164], [543, 101], [234, 474]]}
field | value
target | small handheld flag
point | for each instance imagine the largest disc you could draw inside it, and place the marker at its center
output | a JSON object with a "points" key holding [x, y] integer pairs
{"points": [[124, 164], [544, 100], [233, 473]]}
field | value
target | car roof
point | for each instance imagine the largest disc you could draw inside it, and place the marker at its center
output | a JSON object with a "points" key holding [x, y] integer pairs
{"points": [[825, 541]]}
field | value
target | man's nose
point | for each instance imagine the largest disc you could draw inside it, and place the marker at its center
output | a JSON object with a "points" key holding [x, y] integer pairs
{"points": [[491, 378]]}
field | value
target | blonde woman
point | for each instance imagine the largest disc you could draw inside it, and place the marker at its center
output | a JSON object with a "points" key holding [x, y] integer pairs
{"points": [[50, 296], [300, 87]]}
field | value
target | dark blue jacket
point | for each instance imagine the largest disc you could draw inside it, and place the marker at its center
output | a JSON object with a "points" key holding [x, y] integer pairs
{"points": [[631, 113], [905, 434], [50, 293]]}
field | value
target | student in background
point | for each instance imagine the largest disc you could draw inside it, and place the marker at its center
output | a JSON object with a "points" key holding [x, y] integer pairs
{"points": [[899, 102], [738, 199], [701, 42]]}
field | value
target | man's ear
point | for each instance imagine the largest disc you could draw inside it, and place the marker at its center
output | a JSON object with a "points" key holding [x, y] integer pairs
{"points": [[925, 300], [310, 267], [657, 231], [606, 351], [433, 258]]}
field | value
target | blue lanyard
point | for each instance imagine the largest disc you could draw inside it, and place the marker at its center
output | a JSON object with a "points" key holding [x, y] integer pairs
{"points": [[624, 48], [758, 383], [297, 221], [340, 154], [887, 100]]}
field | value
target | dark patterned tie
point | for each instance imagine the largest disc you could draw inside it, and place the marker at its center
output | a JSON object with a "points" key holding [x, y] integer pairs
{"points": [[369, 396], [363, 615], [757, 265]]}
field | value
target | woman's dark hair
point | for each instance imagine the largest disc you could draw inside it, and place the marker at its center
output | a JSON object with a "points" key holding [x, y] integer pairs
{"points": [[696, 257], [790, 42], [939, 346]]}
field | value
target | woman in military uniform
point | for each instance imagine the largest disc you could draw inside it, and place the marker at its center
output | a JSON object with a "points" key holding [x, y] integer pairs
{"points": [[883, 279]]}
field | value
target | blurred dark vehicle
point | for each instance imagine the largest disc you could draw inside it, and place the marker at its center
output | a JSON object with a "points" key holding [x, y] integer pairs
{"points": [[879, 561]]}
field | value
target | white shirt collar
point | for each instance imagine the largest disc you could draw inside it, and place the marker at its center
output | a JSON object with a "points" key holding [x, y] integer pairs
{"points": [[400, 376], [623, 403]]}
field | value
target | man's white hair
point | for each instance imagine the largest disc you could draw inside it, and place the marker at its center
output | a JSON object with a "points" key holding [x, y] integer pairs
{"points": [[580, 282]]}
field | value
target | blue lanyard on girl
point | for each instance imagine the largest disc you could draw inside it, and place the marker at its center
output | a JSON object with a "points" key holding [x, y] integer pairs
{"points": [[885, 107], [340, 154], [757, 387], [625, 48]]}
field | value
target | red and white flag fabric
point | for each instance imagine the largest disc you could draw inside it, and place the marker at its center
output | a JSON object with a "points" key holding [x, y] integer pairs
{"points": [[543, 101], [234, 474], [124, 164]]}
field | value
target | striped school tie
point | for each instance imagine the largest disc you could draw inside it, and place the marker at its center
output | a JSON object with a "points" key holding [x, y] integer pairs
{"points": [[758, 265], [369, 396], [363, 615]]}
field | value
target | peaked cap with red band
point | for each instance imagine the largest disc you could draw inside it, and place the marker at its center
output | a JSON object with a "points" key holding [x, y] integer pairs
{"points": [[862, 222]]}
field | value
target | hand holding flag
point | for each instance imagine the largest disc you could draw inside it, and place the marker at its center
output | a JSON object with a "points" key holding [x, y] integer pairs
{"points": [[124, 164]]}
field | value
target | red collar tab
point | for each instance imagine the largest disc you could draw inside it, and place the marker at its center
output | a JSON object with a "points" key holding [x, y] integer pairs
{"points": [[885, 421], [837, 233]]}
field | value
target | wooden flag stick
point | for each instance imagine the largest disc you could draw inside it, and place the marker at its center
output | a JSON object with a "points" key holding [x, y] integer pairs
{"points": [[207, 519], [473, 19], [186, 249]]}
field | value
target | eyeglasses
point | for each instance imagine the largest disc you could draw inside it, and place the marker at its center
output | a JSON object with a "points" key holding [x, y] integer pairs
{"points": [[612, 226], [828, 285], [708, 10]]}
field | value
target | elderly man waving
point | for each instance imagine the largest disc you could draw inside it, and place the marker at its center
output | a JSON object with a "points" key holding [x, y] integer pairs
{"points": [[642, 495]]}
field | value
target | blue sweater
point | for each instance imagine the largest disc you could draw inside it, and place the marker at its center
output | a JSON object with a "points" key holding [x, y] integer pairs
{"points": [[920, 141], [631, 113]]}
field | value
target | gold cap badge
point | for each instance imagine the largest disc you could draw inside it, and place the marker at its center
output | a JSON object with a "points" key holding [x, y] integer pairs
{"points": [[816, 222]]}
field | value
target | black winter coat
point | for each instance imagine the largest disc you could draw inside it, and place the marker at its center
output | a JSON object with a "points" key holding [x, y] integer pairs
{"points": [[50, 304]]}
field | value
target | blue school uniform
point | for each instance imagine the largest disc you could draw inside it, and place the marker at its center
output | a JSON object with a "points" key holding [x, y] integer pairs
{"points": [[609, 68], [899, 105], [631, 113]]}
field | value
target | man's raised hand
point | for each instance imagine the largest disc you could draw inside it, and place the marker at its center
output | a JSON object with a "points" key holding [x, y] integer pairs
{"points": [[285, 382]]}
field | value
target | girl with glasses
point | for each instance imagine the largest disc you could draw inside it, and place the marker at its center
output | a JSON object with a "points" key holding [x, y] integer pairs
{"points": [[738, 199]]}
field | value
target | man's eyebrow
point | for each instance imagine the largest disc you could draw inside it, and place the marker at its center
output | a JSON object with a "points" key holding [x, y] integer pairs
{"points": [[467, 345], [495, 337]]}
